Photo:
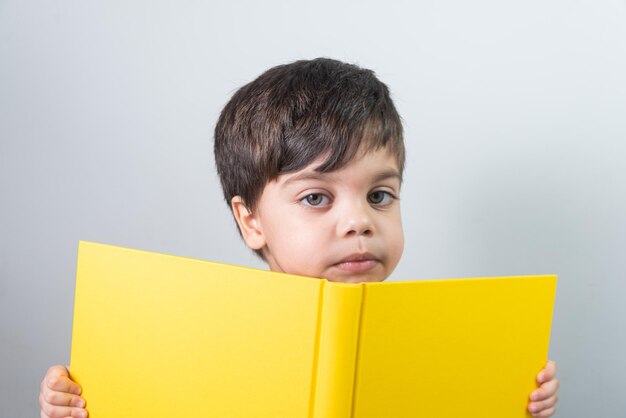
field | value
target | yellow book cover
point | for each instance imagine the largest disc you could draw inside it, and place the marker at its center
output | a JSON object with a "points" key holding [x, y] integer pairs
{"points": [[157, 335]]}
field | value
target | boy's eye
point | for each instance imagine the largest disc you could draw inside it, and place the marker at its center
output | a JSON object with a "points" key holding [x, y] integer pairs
{"points": [[315, 199], [379, 198]]}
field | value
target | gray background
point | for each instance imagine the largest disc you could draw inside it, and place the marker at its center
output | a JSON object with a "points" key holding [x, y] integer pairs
{"points": [[515, 119]]}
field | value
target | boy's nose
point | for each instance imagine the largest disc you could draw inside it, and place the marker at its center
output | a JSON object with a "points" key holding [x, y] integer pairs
{"points": [[356, 222]]}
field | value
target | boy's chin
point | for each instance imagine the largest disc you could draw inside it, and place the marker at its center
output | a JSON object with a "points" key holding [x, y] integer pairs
{"points": [[357, 271]]}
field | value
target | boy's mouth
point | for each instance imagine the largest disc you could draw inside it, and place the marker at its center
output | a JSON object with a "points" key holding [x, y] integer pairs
{"points": [[357, 263]]}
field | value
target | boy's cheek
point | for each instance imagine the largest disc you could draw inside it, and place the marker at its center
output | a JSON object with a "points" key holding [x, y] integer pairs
{"points": [[396, 244]]}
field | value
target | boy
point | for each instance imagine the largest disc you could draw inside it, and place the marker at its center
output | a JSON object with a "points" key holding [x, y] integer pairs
{"points": [[310, 157]]}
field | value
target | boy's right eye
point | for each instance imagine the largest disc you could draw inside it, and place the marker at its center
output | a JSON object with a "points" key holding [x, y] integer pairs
{"points": [[315, 199]]}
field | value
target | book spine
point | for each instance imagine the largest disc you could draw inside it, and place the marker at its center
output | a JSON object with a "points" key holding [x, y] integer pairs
{"points": [[337, 350]]}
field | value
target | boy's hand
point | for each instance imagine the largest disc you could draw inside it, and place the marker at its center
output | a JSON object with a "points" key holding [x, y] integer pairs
{"points": [[543, 400], [59, 395]]}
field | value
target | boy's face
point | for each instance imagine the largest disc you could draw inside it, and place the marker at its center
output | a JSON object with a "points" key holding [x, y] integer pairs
{"points": [[343, 225]]}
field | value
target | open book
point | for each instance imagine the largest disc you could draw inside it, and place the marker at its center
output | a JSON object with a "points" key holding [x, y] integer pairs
{"points": [[163, 336]]}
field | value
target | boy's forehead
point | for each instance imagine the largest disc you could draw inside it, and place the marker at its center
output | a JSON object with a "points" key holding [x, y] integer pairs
{"points": [[371, 166]]}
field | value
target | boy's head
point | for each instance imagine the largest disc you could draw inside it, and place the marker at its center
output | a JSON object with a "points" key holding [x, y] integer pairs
{"points": [[310, 157]]}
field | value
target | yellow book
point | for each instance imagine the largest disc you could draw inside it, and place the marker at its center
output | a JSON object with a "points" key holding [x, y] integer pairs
{"points": [[157, 336]]}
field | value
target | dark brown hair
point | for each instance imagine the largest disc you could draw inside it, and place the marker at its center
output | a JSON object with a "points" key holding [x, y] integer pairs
{"points": [[295, 113]]}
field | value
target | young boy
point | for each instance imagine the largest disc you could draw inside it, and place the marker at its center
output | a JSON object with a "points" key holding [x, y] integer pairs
{"points": [[310, 157]]}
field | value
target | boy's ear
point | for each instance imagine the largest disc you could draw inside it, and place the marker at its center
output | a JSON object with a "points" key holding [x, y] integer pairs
{"points": [[248, 224]]}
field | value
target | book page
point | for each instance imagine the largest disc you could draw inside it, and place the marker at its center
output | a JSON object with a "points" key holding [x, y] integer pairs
{"points": [[466, 348], [164, 336]]}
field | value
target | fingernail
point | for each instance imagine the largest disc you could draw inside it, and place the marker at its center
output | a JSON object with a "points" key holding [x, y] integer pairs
{"points": [[541, 376], [80, 403], [81, 414]]}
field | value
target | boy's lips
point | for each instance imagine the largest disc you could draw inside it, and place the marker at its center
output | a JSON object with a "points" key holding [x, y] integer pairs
{"points": [[357, 263]]}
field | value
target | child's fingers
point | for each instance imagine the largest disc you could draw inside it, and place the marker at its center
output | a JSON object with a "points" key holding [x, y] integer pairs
{"points": [[548, 372], [60, 398], [64, 384], [539, 406], [58, 380], [52, 411], [545, 413], [58, 370], [546, 391], [58, 395]]}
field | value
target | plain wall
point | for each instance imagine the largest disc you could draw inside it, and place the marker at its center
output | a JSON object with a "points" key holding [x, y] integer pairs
{"points": [[515, 117]]}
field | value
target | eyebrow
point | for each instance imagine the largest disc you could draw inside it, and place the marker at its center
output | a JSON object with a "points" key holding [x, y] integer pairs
{"points": [[387, 174], [315, 175]]}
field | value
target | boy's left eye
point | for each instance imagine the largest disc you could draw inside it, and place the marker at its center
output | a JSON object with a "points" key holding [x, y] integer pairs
{"points": [[379, 197]]}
